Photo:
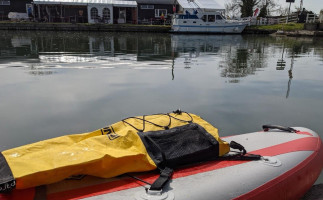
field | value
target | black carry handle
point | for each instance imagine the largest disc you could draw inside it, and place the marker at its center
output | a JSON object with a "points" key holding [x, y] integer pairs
{"points": [[236, 145], [243, 155], [288, 129]]}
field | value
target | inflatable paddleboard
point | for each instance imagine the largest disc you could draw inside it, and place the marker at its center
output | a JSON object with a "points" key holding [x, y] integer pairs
{"points": [[290, 164]]}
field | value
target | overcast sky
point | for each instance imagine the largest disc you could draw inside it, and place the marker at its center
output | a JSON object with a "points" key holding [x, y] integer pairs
{"points": [[313, 5]]}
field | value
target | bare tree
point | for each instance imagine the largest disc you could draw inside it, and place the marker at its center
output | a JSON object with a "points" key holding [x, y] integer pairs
{"points": [[282, 10], [232, 9], [246, 7]]}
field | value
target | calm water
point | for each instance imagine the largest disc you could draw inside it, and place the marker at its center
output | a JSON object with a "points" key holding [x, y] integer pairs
{"points": [[53, 84]]}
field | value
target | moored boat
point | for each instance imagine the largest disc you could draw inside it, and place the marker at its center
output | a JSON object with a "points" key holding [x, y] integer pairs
{"points": [[200, 16], [206, 22]]}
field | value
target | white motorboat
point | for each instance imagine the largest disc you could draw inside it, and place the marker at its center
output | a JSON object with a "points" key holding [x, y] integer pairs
{"points": [[206, 22]]}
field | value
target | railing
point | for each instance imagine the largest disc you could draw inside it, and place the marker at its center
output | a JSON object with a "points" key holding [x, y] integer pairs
{"points": [[291, 18], [311, 18], [263, 21], [270, 21]]}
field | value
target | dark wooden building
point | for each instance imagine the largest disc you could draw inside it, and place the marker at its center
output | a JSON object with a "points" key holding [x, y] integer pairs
{"points": [[156, 11], [78, 11], [86, 11]]}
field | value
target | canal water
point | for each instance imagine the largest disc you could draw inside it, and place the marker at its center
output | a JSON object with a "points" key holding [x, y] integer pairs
{"points": [[58, 83]]}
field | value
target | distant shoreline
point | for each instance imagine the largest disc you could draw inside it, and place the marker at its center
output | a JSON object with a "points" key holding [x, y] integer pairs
{"points": [[102, 27], [83, 27], [296, 31]]}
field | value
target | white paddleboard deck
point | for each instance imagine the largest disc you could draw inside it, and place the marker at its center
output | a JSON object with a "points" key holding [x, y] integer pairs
{"points": [[291, 164]]}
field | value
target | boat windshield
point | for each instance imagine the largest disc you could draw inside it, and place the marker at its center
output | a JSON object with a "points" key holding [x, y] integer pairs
{"points": [[211, 18], [186, 17], [219, 17]]}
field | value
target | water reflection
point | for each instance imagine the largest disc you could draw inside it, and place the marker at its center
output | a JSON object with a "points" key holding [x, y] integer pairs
{"points": [[281, 63], [295, 49], [81, 50], [237, 56], [18, 47], [193, 49]]}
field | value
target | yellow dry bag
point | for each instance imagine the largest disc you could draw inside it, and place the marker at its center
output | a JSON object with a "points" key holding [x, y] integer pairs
{"points": [[135, 144]]}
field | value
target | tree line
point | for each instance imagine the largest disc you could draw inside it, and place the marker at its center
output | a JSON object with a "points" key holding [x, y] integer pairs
{"points": [[246, 8]]}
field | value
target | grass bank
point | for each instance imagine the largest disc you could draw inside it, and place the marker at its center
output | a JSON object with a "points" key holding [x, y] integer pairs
{"points": [[285, 27]]}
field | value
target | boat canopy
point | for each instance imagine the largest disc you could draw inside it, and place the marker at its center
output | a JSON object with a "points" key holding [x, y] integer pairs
{"points": [[86, 2], [201, 4]]}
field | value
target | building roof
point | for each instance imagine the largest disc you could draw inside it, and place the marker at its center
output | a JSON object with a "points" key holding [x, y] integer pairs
{"points": [[157, 1], [118, 3], [200, 4]]}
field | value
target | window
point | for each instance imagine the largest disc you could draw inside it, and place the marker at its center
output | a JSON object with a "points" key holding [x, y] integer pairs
{"points": [[29, 9], [106, 13], [94, 13], [160, 12], [147, 6], [204, 18], [4, 2], [218, 17], [211, 18]]}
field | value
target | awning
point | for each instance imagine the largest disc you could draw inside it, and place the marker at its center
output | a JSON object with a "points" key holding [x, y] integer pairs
{"points": [[169, 2], [124, 3], [87, 2], [200, 4]]}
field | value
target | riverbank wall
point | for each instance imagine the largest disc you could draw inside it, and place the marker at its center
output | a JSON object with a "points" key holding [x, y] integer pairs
{"points": [[84, 27], [313, 26], [21, 26], [103, 27], [253, 30]]}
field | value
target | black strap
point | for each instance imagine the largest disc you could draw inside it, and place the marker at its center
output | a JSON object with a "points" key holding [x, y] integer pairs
{"points": [[240, 157], [165, 175], [288, 129]]}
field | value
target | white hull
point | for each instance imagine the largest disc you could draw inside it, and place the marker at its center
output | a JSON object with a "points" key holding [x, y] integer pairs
{"points": [[209, 28], [206, 23]]}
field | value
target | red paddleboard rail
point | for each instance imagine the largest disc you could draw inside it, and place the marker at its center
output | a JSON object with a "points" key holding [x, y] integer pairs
{"points": [[286, 186]]}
